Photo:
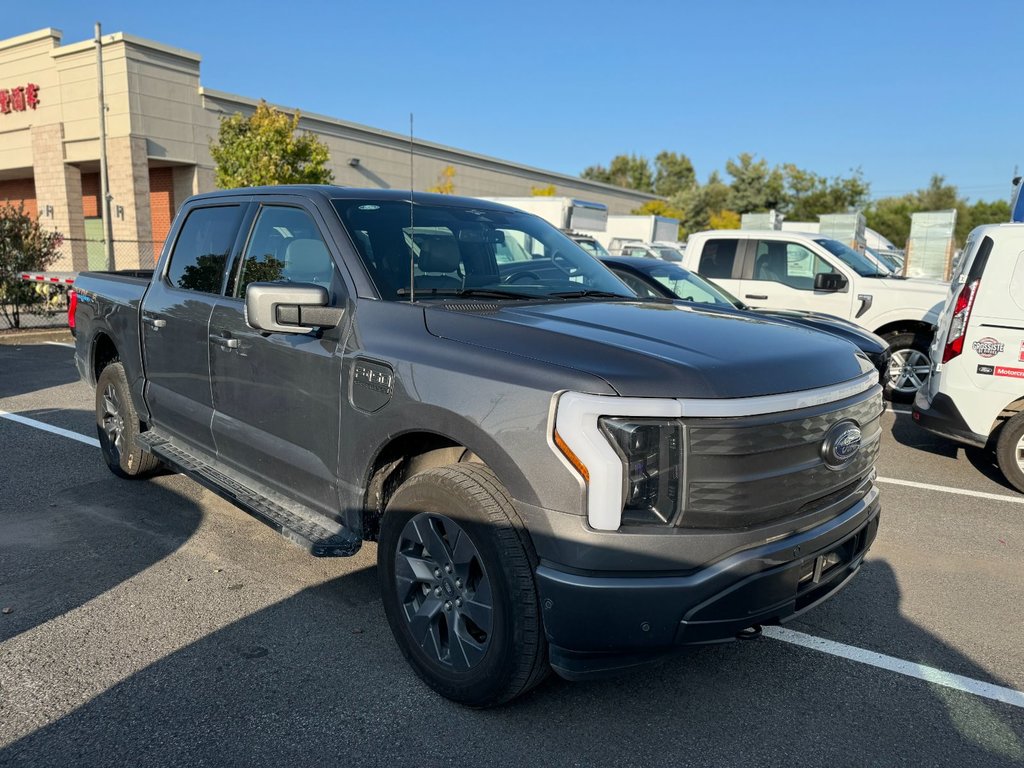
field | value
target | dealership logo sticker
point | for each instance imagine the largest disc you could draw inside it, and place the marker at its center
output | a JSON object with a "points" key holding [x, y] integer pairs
{"points": [[988, 347]]}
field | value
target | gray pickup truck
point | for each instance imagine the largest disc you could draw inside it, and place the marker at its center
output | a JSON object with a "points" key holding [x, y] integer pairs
{"points": [[556, 472]]}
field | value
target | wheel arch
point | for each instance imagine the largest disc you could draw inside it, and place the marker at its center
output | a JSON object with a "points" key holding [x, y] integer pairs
{"points": [[102, 352], [905, 326]]}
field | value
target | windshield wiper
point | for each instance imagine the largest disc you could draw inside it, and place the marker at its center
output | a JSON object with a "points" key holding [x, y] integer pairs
{"points": [[588, 294], [494, 293]]}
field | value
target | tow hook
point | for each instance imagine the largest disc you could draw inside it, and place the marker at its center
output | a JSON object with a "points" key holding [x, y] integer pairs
{"points": [[750, 633]]}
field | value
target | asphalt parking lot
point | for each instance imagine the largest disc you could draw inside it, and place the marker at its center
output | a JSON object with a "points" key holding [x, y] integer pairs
{"points": [[152, 623]]}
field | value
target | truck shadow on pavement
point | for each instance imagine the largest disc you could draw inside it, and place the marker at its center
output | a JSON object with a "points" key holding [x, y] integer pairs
{"points": [[46, 366], [316, 679], [60, 550]]}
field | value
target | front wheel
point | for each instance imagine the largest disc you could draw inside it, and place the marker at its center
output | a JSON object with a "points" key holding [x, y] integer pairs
{"points": [[1010, 451], [909, 365], [117, 424], [456, 575]]}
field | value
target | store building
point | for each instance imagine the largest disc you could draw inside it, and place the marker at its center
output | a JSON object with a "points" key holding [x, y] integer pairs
{"points": [[159, 124]]}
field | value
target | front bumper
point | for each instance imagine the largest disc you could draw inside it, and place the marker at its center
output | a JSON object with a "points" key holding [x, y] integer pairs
{"points": [[600, 623], [941, 416]]}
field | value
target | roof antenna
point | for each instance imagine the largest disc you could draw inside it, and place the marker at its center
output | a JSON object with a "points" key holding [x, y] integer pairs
{"points": [[412, 231]]}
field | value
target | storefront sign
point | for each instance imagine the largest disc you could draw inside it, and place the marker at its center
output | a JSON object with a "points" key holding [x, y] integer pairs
{"points": [[19, 99]]}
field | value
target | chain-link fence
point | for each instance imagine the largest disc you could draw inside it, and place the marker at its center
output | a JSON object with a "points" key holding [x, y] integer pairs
{"points": [[44, 304]]}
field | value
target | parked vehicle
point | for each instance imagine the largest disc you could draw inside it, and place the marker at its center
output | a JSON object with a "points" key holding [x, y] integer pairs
{"points": [[651, 251], [588, 243], [622, 229], [555, 471], [975, 394], [793, 270], [651, 278]]}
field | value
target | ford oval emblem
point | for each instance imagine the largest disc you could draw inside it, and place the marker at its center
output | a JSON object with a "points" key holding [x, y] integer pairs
{"points": [[841, 443]]}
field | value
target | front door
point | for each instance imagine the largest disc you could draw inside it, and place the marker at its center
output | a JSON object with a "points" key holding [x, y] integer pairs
{"points": [[277, 397], [783, 278], [176, 319]]}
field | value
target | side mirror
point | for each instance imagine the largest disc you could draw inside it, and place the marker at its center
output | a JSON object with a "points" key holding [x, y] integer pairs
{"points": [[829, 281], [289, 307]]}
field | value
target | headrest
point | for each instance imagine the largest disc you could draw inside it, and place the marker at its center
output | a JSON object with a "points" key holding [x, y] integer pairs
{"points": [[439, 254]]}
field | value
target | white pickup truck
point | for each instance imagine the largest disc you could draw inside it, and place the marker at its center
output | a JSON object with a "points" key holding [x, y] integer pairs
{"points": [[793, 270]]}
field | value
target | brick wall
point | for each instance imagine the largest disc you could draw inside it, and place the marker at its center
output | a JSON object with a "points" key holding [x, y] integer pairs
{"points": [[161, 203], [90, 195], [19, 191]]}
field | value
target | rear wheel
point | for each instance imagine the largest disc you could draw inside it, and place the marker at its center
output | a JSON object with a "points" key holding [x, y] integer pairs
{"points": [[456, 572], [1010, 451], [117, 425], [909, 365]]}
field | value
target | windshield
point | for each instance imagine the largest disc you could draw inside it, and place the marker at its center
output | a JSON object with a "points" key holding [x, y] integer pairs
{"points": [[858, 262], [886, 260], [687, 285], [454, 250], [593, 247], [669, 254]]}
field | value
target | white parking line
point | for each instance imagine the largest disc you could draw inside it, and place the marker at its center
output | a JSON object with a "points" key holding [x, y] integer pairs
{"points": [[50, 428], [958, 491], [60, 344], [891, 663], [894, 409]]}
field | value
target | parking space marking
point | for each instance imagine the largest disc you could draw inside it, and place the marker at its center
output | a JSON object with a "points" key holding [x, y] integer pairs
{"points": [[958, 491], [60, 344], [893, 409], [929, 674], [50, 428]]}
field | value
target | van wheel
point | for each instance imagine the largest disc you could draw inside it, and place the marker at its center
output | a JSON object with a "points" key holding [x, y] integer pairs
{"points": [[1010, 451], [456, 574], [117, 424], [909, 365]]}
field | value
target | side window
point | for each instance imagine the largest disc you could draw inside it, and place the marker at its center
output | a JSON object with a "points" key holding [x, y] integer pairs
{"points": [[717, 258], [202, 248], [788, 263], [638, 286], [286, 247]]}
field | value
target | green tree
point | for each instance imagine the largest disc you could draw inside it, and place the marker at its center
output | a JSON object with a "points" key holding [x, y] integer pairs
{"points": [[808, 195], [673, 173], [891, 215], [629, 171], [25, 246], [701, 202], [268, 148], [755, 186], [663, 208]]}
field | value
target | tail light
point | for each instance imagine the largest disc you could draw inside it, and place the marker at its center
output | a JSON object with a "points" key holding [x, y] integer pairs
{"points": [[72, 307], [958, 323]]}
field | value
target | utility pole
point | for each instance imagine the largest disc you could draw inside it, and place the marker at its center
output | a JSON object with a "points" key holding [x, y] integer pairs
{"points": [[108, 227]]}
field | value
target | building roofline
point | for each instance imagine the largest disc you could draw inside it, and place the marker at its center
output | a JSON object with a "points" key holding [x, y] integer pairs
{"points": [[420, 144], [132, 40], [31, 37]]}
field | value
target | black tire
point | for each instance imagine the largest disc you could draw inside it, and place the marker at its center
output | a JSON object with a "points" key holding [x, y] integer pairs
{"points": [[911, 348], [1010, 451], [487, 664], [117, 425]]}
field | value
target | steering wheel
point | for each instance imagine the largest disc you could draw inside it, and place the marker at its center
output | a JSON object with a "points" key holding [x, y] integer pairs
{"points": [[516, 277], [563, 263]]}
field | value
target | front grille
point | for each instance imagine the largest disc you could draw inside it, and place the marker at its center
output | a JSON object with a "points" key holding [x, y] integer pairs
{"points": [[749, 471]]}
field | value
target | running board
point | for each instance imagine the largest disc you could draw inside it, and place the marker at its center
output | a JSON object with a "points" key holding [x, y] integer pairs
{"points": [[316, 533]]}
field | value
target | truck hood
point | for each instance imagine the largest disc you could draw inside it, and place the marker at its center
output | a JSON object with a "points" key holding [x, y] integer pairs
{"points": [[657, 349], [866, 341]]}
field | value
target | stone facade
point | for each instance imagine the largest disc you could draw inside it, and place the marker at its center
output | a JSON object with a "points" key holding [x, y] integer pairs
{"points": [[159, 117]]}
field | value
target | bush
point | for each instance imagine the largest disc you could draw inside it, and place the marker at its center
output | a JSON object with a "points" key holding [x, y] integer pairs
{"points": [[25, 246]]}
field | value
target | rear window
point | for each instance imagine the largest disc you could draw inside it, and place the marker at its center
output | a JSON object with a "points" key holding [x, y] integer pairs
{"points": [[202, 248], [718, 257]]}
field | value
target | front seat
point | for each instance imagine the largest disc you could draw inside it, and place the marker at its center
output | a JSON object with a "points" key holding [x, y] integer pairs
{"points": [[439, 257]]}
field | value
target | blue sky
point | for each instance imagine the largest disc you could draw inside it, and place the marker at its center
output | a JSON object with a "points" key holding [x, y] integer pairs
{"points": [[899, 89]]}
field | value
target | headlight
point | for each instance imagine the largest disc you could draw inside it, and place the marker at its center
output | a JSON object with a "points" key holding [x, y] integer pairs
{"points": [[651, 454]]}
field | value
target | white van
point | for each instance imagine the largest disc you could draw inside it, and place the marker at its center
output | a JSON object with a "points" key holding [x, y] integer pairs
{"points": [[777, 269], [975, 394]]}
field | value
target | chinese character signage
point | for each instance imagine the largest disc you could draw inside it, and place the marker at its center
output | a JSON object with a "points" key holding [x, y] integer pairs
{"points": [[19, 99]]}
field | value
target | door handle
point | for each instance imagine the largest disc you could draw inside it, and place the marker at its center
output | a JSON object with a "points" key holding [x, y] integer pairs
{"points": [[154, 322], [756, 297], [224, 341]]}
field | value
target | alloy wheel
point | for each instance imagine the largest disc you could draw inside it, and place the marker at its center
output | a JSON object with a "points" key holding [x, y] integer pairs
{"points": [[908, 370]]}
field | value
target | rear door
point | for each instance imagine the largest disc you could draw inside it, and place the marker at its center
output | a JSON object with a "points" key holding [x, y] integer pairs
{"points": [[277, 397], [176, 318], [779, 274]]}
